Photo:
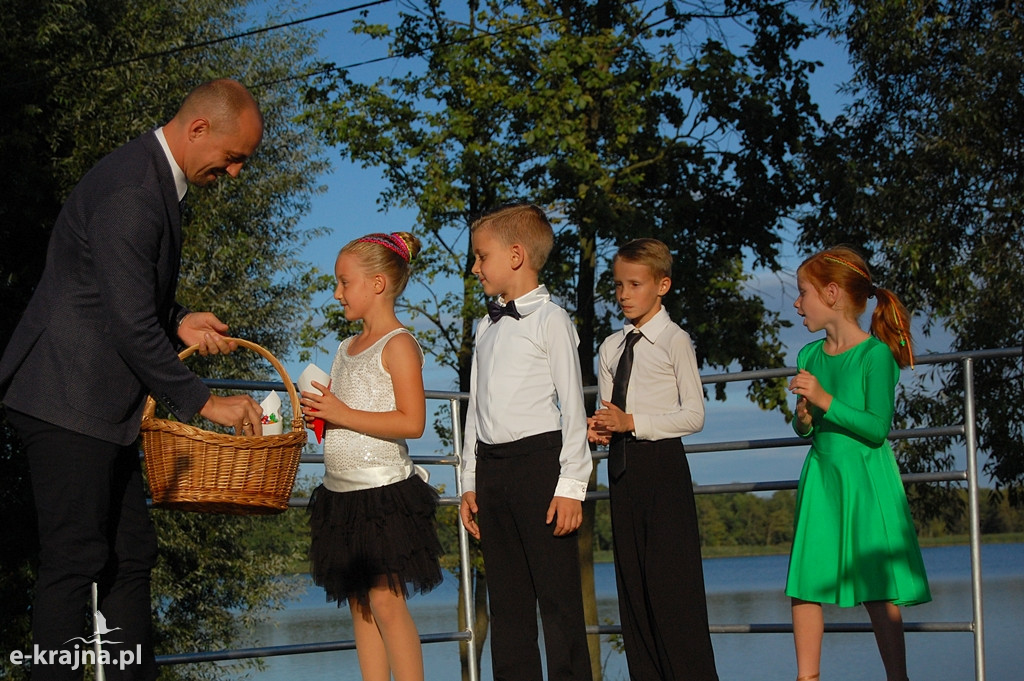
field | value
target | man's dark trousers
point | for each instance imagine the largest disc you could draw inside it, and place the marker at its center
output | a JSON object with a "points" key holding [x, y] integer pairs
{"points": [[94, 527]]}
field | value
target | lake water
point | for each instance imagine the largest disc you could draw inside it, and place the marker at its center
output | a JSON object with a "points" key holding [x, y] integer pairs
{"points": [[740, 591]]}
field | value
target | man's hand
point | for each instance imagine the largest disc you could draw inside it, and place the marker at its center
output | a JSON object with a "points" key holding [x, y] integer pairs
{"points": [[468, 510], [208, 332], [568, 513], [240, 411]]}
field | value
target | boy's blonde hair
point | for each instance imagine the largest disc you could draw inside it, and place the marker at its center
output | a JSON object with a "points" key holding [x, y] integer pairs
{"points": [[521, 223], [650, 252]]}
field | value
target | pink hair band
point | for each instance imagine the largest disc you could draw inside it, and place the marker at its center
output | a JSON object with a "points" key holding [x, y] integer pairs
{"points": [[390, 241]]}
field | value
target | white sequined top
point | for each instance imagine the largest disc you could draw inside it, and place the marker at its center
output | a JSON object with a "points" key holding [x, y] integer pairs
{"points": [[355, 460]]}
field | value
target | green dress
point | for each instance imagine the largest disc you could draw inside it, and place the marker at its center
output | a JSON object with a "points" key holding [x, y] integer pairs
{"points": [[854, 539]]}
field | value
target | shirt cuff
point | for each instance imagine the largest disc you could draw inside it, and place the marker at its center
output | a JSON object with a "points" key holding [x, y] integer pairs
{"points": [[468, 482], [179, 317], [567, 487], [642, 427]]}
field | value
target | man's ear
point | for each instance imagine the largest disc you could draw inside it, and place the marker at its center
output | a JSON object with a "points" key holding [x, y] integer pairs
{"points": [[664, 285], [198, 128]]}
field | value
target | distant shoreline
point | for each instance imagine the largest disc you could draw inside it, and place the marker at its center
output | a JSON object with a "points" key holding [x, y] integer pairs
{"points": [[782, 549], [302, 566]]}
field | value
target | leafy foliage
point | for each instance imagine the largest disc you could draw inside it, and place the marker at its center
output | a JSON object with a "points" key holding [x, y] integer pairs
{"points": [[622, 122], [82, 77], [923, 171], [594, 111]]}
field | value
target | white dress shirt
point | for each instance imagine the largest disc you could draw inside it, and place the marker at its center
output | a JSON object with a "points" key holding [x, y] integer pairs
{"points": [[664, 395], [525, 381], [180, 181]]}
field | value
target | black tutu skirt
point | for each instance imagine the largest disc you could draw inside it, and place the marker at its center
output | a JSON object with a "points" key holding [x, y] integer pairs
{"points": [[360, 536]]}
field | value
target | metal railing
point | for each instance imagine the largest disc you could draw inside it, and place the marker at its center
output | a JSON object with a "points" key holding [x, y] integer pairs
{"points": [[966, 429]]}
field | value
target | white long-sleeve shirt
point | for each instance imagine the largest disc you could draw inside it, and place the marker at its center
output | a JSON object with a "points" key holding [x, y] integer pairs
{"points": [[664, 395], [526, 380]]}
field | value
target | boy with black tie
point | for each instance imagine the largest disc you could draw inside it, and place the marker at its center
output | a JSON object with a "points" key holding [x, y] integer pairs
{"points": [[526, 461], [651, 391]]}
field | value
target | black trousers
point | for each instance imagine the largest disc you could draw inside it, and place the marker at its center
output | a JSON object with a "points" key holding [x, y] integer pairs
{"points": [[658, 571], [93, 527], [527, 565]]}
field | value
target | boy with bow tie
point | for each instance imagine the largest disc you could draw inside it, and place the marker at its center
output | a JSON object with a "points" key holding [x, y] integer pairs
{"points": [[526, 461]]}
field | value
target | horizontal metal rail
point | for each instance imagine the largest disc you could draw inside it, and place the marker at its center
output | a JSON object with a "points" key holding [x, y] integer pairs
{"points": [[293, 649], [455, 399]]}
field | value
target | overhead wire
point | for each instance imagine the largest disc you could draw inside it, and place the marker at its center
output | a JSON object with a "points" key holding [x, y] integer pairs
{"points": [[410, 53], [206, 43]]}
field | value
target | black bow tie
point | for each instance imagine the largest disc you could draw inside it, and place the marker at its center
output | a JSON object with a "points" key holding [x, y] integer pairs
{"points": [[496, 311]]}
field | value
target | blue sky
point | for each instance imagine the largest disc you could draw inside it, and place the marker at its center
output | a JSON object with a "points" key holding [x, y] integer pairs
{"points": [[352, 194]]}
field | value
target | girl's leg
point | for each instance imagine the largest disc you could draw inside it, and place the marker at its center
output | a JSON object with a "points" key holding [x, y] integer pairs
{"points": [[887, 622], [808, 630], [373, 656], [398, 632]]}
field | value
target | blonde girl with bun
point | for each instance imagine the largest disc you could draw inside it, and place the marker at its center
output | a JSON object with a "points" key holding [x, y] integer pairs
{"points": [[374, 538]]}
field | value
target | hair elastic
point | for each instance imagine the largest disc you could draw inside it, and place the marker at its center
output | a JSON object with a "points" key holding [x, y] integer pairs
{"points": [[903, 336], [392, 242]]}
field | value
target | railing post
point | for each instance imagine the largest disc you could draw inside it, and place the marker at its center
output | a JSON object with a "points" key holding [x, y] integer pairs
{"points": [[97, 635], [970, 437], [465, 568]]}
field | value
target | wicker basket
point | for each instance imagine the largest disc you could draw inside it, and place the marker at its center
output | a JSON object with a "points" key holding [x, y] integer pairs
{"points": [[192, 469]]}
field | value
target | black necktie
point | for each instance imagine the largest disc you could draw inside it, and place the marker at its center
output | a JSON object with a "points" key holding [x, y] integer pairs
{"points": [[620, 383], [496, 311]]}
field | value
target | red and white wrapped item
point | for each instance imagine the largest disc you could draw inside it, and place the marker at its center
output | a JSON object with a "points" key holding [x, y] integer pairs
{"points": [[314, 373]]}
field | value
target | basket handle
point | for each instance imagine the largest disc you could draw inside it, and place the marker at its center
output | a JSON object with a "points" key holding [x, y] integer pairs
{"points": [[298, 423]]}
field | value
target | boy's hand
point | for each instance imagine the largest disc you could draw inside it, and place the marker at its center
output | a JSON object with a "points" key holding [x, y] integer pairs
{"points": [[568, 513], [468, 510], [597, 435], [612, 419]]}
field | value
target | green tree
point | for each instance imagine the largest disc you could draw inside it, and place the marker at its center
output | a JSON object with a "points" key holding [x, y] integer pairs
{"points": [[622, 121], [922, 171], [82, 77]]}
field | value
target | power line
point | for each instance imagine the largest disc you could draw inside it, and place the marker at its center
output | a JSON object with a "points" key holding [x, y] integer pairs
{"points": [[212, 41], [410, 53], [245, 34]]}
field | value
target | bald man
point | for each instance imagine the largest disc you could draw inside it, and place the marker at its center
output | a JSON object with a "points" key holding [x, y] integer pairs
{"points": [[100, 333]]}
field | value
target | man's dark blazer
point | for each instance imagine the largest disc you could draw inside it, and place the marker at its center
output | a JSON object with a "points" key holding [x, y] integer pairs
{"points": [[99, 331]]}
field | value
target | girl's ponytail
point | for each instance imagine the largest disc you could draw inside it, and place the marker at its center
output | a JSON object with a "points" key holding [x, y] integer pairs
{"points": [[890, 323]]}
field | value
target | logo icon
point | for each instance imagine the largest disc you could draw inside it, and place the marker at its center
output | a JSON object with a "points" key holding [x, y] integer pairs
{"points": [[99, 631]]}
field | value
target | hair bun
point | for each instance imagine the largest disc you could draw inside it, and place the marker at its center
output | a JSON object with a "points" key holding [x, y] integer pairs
{"points": [[412, 243]]}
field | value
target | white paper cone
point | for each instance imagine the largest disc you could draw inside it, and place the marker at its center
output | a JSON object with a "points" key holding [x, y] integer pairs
{"points": [[313, 373], [271, 421]]}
